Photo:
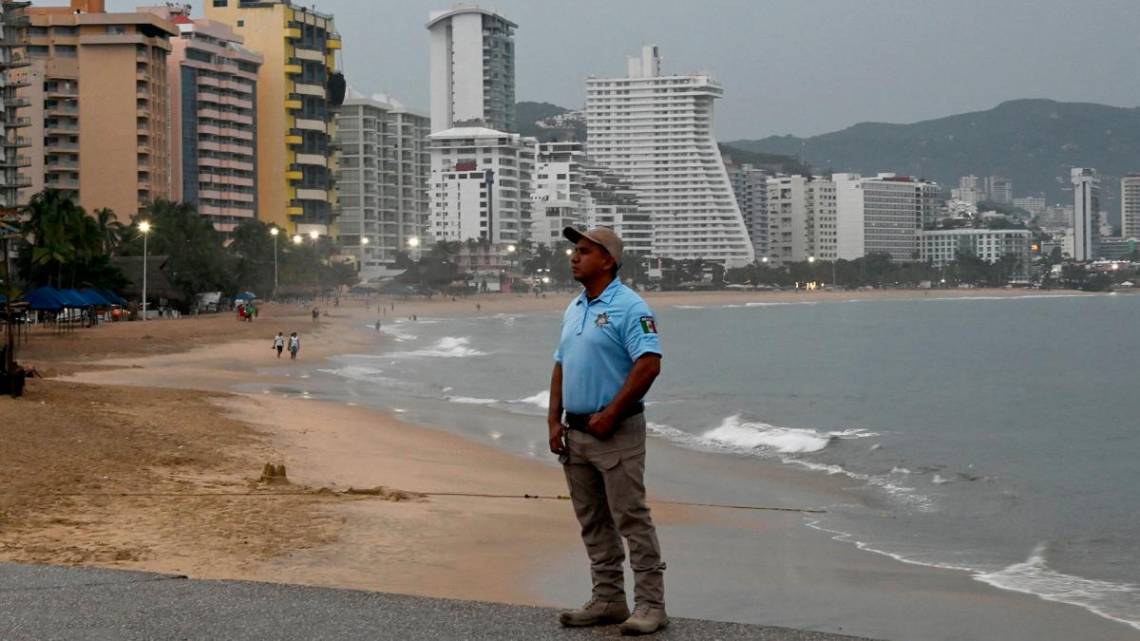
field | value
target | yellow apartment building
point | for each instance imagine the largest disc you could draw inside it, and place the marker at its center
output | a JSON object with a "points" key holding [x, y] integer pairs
{"points": [[296, 111]]}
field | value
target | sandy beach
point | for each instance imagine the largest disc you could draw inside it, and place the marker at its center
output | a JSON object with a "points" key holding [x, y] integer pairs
{"points": [[139, 454]]}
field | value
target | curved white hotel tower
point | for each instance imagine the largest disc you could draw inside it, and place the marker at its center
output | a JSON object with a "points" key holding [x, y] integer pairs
{"points": [[657, 131]]}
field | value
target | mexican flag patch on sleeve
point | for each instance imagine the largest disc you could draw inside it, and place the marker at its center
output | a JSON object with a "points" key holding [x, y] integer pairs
{"points": [[648, 325]]}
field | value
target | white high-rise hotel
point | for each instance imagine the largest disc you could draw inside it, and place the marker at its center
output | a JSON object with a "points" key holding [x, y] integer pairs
{"points": [[472, 69], [657, 130], [481, 172], [1086, 213]]}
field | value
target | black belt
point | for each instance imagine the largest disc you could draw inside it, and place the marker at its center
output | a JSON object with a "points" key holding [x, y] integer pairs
{"points": [[580, 421]]}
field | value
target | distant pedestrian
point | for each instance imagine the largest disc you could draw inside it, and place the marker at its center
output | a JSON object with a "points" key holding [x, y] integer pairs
{"points": [[316, 315], [608, 356], [294, 346], [279, 343], [377, 325]]}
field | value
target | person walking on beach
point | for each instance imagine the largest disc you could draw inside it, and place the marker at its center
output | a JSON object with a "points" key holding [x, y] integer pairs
{"points": [[294, 346], [608, 356], [279, 343]]}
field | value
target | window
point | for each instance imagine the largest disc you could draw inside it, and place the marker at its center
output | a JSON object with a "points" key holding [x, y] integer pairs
{"points": [[221, 3]]}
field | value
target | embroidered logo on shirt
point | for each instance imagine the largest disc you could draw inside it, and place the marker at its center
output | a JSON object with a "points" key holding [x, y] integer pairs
{"points": [[602, 320], [648, 325]]}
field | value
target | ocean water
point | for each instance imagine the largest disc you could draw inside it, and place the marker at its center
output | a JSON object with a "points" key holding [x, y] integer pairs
{"points": [[994, 436]]}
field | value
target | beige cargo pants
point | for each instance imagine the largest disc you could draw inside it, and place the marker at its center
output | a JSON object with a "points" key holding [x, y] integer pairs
{"points": [[607, 489]]}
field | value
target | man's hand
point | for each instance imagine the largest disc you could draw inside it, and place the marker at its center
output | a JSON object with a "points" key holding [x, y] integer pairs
{"points": [[558, 438], [602, 424]]}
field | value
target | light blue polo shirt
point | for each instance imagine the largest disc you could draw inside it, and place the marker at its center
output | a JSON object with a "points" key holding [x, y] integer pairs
{"points": [[600, 341]]}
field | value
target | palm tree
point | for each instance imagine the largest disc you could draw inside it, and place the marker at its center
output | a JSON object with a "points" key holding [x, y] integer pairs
{"points": [[54, 229], [110, 229]]}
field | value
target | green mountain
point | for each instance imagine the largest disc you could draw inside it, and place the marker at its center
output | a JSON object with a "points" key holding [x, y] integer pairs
{"points": [[529, 115], [1032, 142], [535, 119]]}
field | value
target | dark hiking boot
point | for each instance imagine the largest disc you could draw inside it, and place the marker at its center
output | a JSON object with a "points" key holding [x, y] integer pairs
{"points": [[595, 612]]}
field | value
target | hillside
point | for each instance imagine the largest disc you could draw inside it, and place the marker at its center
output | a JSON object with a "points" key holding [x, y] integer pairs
{"points": [[1033, 142]]}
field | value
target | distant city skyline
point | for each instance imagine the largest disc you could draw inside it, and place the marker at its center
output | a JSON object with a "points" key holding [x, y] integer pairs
{"points": [[803, 69]]}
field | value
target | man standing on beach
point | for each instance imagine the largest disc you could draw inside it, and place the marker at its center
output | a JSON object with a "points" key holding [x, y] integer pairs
{"points": [[608, 356]]}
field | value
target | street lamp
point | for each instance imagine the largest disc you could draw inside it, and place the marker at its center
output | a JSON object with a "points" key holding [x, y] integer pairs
{"points": [[144, 229], [297, 239], [511, 249], [363, 243], [274, 231], [314, 234]]}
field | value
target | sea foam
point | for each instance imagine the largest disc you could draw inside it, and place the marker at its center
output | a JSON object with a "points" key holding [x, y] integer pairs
{"points": [[1116, 601], [446, 347]]}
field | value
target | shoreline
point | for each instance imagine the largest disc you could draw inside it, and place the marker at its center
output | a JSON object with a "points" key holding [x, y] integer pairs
{"points": [[480, 550]]}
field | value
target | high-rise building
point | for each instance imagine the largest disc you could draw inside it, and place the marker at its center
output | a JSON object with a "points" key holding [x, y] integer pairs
{"points": [[480, 185], [1086, 213], [13, 162], [1130, 206], [787, 219], [822, 224], [940, 247], [999, 189], [213, 122], [611, 201], [472, 69], [750, 186], [298, 92], [882, 215], [559, 193], [382, 178], [571, 189], [1035, 205], [657, 130], [969, 190], [98, 105]]}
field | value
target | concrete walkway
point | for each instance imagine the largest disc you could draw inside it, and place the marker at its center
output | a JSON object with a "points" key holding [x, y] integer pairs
{"points": [[43, 603]]}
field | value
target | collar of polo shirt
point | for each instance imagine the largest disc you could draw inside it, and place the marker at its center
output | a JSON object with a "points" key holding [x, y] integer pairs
{"points": [[606, 296]]}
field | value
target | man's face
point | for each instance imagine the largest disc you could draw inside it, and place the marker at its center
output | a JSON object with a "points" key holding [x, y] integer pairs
{"points": [[589, 261]]}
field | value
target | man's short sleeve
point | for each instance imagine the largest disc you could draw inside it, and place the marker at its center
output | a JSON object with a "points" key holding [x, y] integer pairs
{"points": [[641, 332]]}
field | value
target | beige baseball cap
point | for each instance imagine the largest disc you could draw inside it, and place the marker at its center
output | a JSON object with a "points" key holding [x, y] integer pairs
{"points": [[604, 236]]}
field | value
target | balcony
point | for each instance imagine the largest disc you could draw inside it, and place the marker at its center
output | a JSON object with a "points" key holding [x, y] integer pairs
{"points": [[294, 140], [292, 69], [293, 33], [293, 104], [18, 161], [16, 122], [62, 91], [294, 174], [312, 55], [306, 89], [311, 125], [312, 159], [55, 182], [313, 194], [295, 211], [334, 42]]}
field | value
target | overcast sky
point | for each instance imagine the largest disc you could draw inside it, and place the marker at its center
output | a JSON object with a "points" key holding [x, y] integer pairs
{"points": [[788, 66]]}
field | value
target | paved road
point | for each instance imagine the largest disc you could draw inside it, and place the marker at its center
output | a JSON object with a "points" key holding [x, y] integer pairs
{"points": [[44, 603]]}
